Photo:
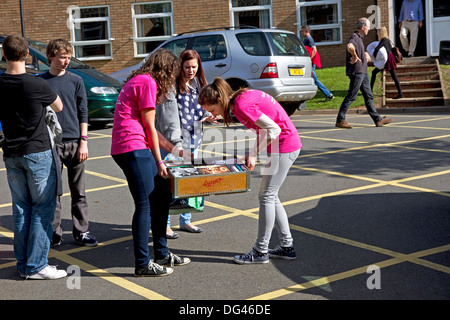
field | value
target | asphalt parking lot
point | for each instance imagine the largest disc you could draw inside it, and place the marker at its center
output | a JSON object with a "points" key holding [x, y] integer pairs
{"points": [[368, 207]]}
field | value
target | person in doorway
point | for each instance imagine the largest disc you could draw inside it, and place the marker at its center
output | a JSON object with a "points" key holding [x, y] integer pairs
{"points": [[410, 21], [390, 64], [310, 45], [356, 70], [275, 131], [135, 148], [30, 166], [73, 150]]}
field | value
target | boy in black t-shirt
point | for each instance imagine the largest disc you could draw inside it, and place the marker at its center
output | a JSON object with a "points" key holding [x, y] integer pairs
{"points": [[30, 168]]}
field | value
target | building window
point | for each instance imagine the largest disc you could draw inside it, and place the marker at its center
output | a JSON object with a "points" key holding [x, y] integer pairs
{"points": [[152, 24], [324, 19], [256, 13], [91, 32], [441, 9]]}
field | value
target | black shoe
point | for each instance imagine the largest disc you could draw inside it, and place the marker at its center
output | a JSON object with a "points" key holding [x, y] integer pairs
{"points": [[86, 239], [56, 240], [152, 270], [398, 97], [330, 97], [172, 260]]}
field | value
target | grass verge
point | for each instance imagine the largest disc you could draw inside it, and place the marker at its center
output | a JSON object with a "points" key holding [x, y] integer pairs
{"points": [[337, 82]]}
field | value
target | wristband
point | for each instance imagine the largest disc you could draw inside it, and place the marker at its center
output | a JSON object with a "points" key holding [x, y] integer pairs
{"points": [[85, 138], [160, 163]]}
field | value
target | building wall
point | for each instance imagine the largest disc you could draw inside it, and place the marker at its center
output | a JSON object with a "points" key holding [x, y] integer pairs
{"points": [[46, 19]]}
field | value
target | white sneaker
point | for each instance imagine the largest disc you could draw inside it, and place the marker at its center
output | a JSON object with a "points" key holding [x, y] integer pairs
{"points": [[48, 273]]}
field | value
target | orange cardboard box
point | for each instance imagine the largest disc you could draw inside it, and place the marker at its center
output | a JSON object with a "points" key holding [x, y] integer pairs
{"points": [[203, 180]]}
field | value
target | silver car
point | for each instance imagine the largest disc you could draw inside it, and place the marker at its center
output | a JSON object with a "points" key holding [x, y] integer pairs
{"points": [[271, 60]]}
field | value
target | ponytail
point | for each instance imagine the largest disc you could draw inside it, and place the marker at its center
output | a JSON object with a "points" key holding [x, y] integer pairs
{"points": [[218, 92]]}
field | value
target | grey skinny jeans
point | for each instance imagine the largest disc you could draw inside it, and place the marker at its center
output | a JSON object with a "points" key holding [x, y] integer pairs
{"points": [[271, 211]]}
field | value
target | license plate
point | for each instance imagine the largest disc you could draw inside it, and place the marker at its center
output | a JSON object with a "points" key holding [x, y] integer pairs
{"points": [[295, 72]]}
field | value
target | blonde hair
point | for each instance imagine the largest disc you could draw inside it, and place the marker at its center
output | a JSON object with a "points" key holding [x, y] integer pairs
{"points": [[383, 33]]}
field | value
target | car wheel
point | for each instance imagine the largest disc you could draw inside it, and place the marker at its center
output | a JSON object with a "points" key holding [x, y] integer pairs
{"points": [[237, 84], [291, 107], [96, 125]]}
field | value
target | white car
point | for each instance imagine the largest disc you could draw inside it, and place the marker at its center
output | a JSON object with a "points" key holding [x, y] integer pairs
{"points": [[271, 60]]}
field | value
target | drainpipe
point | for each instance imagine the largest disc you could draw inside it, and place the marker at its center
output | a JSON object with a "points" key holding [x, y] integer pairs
{"points": [[21, 19]]}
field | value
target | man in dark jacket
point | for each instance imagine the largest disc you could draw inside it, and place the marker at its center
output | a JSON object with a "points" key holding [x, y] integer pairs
{"points": [[356, 70]]}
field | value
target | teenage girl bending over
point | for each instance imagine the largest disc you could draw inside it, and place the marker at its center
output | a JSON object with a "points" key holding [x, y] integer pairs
{"points": [[259, 111]]}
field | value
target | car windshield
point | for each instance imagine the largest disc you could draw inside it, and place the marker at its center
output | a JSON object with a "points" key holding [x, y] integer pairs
{"points": [[286, 44], [74, 63]]}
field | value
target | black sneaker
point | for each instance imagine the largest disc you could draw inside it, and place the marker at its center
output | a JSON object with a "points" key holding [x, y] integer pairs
{"points": [[330, 97], [152, 270], [56, 240], [86, 239], [285, 253], [172, 260]]}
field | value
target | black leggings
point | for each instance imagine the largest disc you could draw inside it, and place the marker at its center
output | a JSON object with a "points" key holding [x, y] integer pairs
{"points": [[393, 75]]}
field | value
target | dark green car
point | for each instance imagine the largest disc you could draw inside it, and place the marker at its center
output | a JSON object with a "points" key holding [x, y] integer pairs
{"points": [[102, 90]]}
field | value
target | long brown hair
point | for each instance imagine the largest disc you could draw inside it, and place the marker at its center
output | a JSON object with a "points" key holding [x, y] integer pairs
{"points": [[163, 66], [187, 55], [220, 92]]}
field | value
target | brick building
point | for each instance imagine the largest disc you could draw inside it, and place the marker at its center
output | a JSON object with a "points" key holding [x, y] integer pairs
{"points": [[113, 34]]}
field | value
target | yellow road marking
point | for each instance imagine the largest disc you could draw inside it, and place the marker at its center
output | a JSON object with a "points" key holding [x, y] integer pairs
{"points": [[397, 257], [105, 275], [350, 273]]}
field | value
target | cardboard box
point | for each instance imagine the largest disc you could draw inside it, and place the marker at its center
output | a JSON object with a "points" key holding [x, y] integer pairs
{"points": [[203, 180]]}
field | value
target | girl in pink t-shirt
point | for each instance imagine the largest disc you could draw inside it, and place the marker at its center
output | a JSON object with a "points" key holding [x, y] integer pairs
{"points": [[260, 112], [135, 148]]}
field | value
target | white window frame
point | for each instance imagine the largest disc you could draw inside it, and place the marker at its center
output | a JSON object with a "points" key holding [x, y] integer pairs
{"points": [[302, 4], [74, 23], [251, 8], [135, 16]]}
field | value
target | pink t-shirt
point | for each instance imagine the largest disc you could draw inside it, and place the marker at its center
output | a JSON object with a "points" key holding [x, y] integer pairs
{"points": [[251, 104], [128, 132]]}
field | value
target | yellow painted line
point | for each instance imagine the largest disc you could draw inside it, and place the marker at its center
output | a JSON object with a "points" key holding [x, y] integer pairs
{"points": [[6, 233], [322, 281], [9, 204], [419, 120], [422, 149], [98, 158], [347, 274], [332, 139], [104, 176], [415, 127], [105, 275]]}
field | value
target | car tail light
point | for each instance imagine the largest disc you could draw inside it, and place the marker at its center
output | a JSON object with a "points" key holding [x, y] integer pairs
{"points": [[270, 71]]}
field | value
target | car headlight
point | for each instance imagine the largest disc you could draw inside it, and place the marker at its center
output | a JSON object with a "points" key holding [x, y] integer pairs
{"points": [[104, 90]]}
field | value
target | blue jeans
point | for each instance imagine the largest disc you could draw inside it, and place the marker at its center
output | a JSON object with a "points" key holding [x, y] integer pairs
{"points": [[185, 218], [359, 81], [32, 181], [319, 84], [140, 170]]}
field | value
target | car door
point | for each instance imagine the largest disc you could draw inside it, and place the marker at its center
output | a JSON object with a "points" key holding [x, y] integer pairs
{"points": [[213, 52]]}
